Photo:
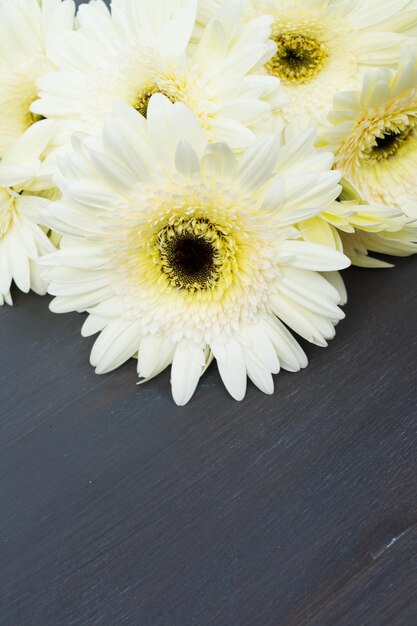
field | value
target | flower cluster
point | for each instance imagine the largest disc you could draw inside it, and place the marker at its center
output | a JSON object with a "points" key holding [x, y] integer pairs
{"points": [[193, 174]]}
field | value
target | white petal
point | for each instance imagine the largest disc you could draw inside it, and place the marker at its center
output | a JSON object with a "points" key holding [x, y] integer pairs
{"points": [[219, 163], [187, 367], [260, 377], [187, 128], [186, 160], [258, 162], [232, 369], [313, 256], [155, 354], [117, 343], [291, 355]]}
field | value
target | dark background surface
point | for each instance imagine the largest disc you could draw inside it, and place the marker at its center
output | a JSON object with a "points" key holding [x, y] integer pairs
{"points": [[119, 508], [116, 507]]}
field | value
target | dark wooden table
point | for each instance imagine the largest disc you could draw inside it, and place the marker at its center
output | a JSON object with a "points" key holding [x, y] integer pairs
{"points": [[119, 508]]}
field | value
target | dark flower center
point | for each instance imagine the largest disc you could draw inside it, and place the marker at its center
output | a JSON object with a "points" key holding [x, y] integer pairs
{"points": [[191, 252], [191, 257], [387, 146]]}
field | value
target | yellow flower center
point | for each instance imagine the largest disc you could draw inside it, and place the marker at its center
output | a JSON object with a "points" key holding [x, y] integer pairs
{"points": [[142, 102], [33, 118], [192, 253], [299, 58], [192, 259], [388, 143], [23, 102], [378, 155]]}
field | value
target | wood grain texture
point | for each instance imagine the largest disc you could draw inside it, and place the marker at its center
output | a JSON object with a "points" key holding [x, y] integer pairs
{"points": [[116, 507], [119, 508]]}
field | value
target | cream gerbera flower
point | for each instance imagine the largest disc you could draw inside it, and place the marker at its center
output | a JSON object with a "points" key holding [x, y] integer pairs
{"points": [[374, 135], [324, 46], [22, 239], [349, 214], [181, 252], [357, 228], [27, 31], [359, 244], [143, 48]]}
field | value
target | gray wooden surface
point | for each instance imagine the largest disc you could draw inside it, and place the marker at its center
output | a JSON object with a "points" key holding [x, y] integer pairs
{"points": [[116, 507]]}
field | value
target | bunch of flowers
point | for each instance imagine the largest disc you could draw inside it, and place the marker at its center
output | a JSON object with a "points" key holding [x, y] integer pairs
{"points": [[193, 174]]}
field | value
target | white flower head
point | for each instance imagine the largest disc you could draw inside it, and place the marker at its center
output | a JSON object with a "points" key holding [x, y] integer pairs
{"points": [[358, 245], [372, 228], [324, 46], [22, 239], [143, 47], [349, 220], [180, 251], [353, 226], [28, 29], [374, 135]]}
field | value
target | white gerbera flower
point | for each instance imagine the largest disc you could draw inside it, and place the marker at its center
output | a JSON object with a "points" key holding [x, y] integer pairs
{"points": [[343, 221], [181, 252], [357, 228], [22, 239], [143, 48], [27, 31], [324, 46], [359, 244], [374, 135]]}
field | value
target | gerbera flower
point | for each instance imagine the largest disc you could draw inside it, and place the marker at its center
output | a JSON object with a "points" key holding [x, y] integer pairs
{"points": [[142, 48], [22, 239], [374, 135], [323, 46], [341, 219], [27, 31], [357, 228], [181, 252], [359, 244]]}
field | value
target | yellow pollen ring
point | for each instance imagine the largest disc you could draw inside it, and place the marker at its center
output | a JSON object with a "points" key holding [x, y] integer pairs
{"points": [[299, 58], [193, 254], [33, 118], [142, 101], [388, 143]]}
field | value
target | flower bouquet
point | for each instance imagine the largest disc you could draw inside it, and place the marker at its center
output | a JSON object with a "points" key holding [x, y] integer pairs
{"points": [[194, 174]]}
